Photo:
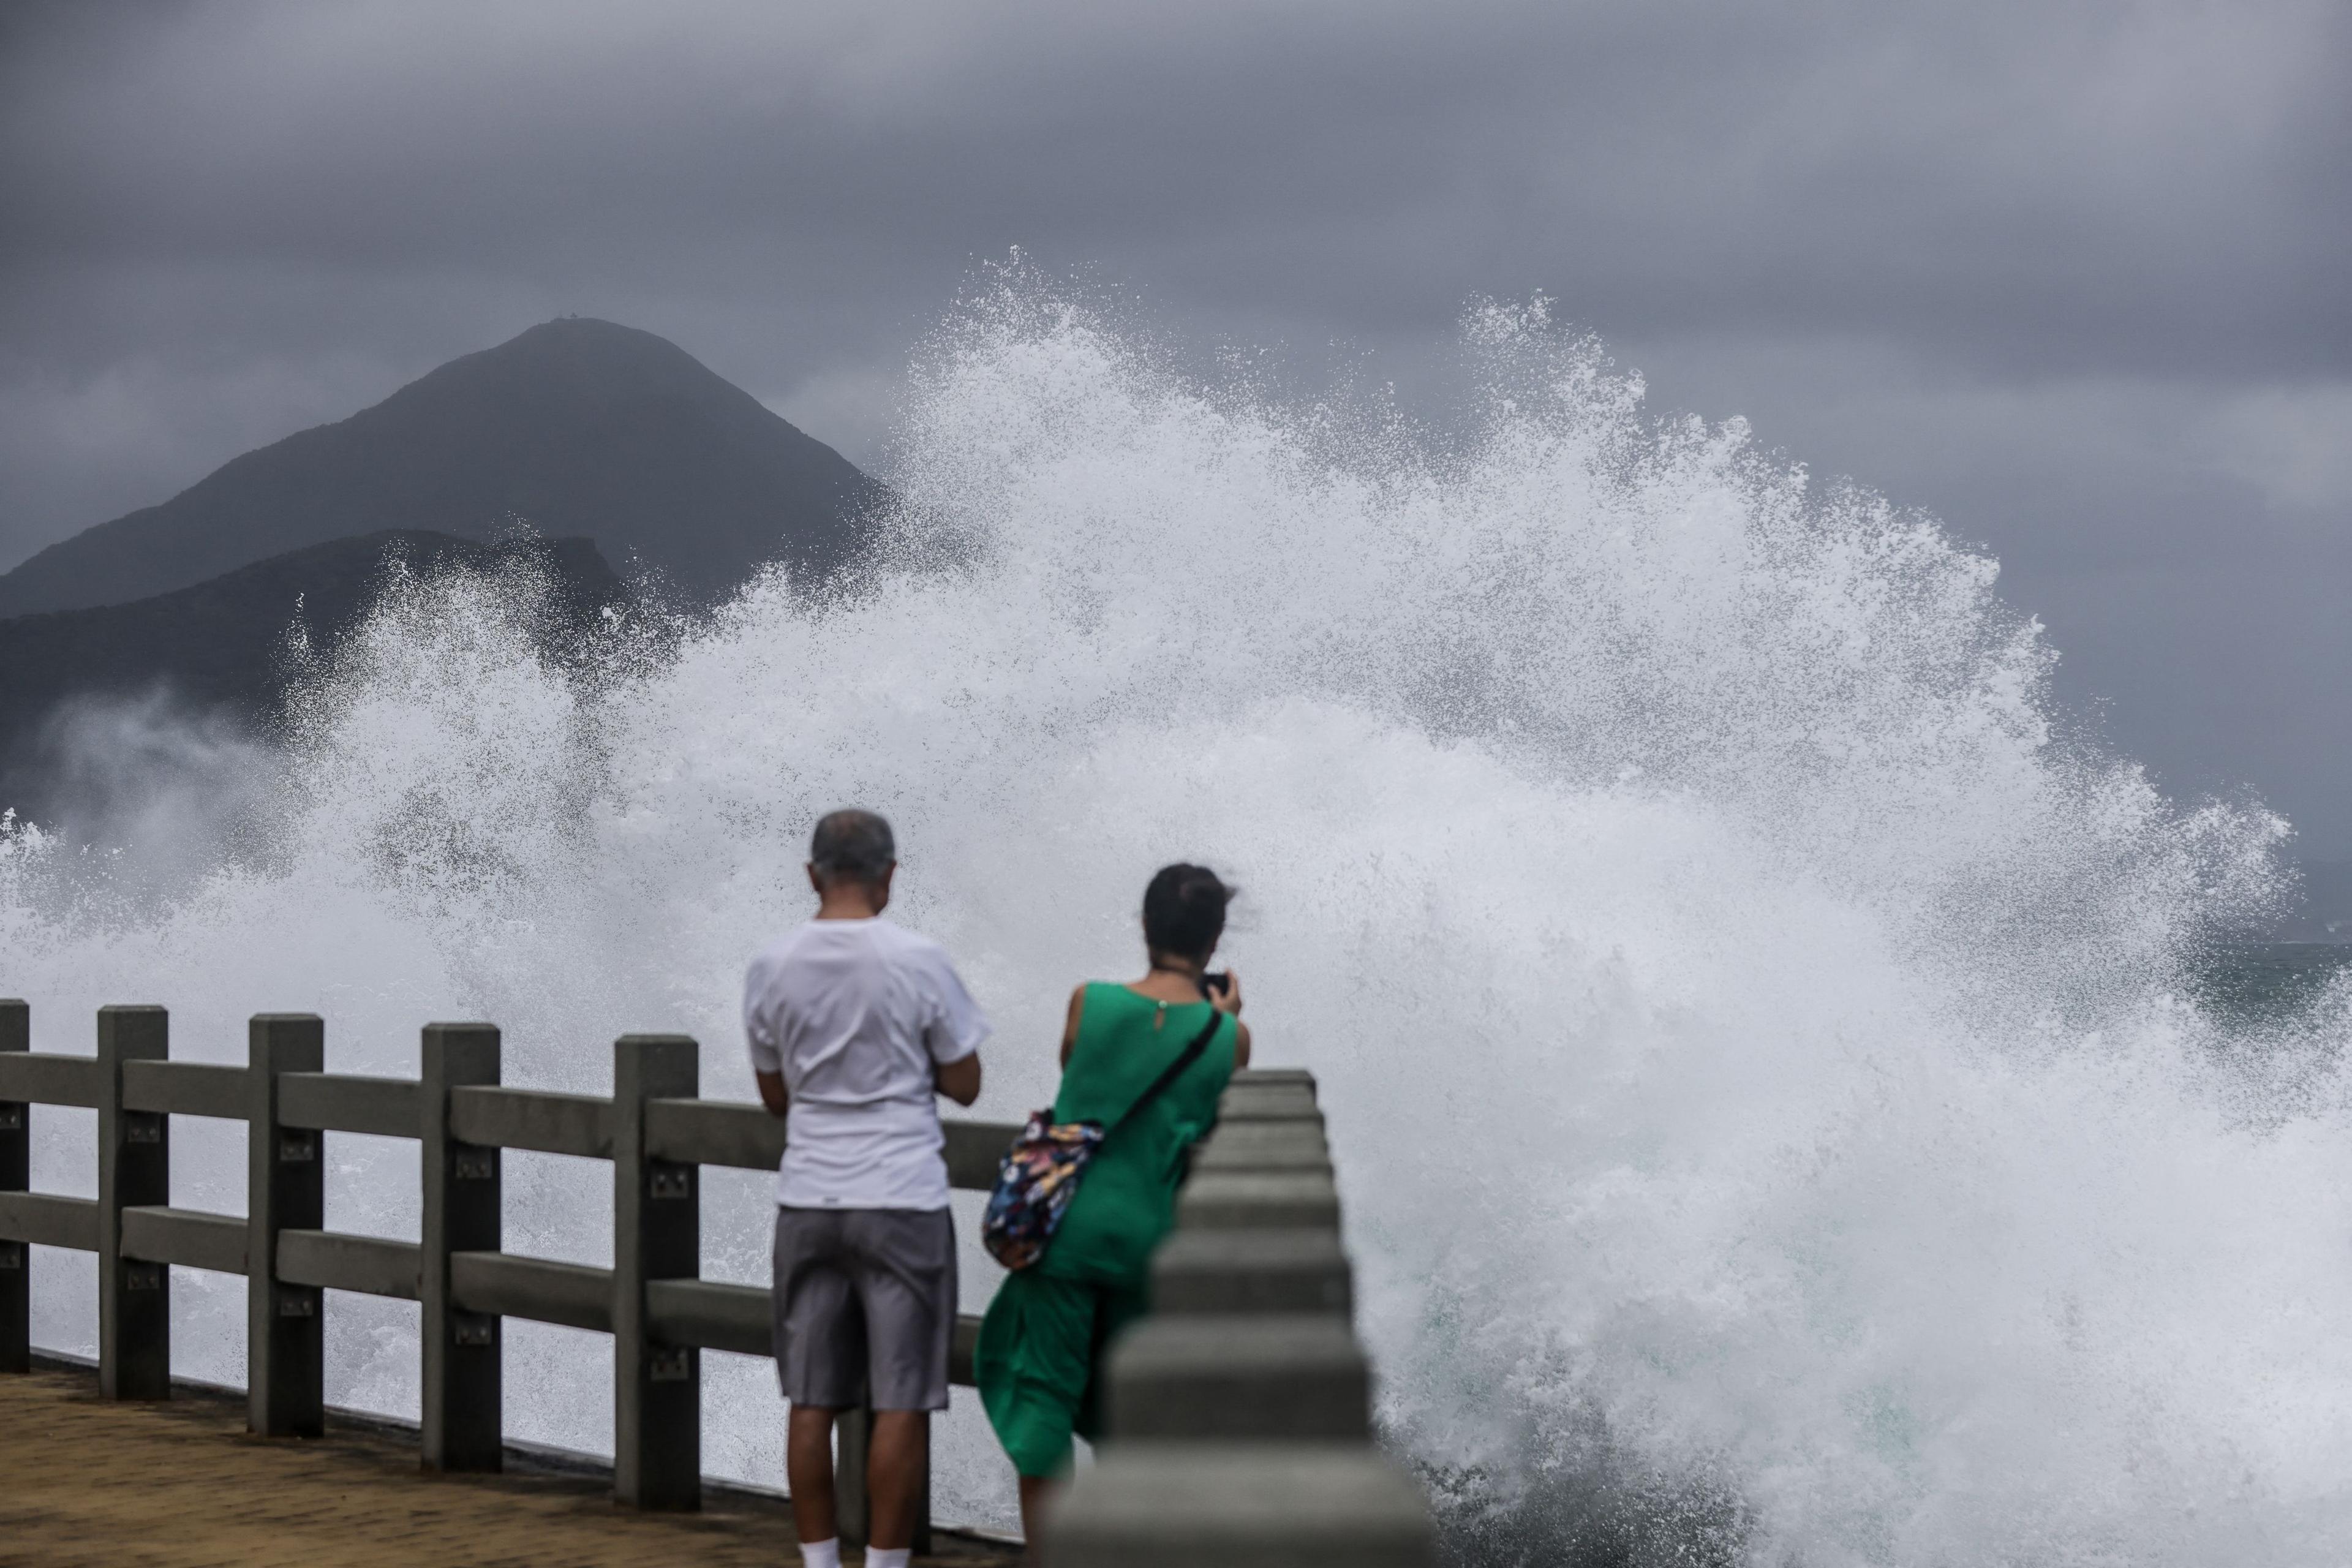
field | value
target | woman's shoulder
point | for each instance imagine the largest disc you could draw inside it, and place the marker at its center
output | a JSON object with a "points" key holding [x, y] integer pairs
{"points": [[1092, 1000]]}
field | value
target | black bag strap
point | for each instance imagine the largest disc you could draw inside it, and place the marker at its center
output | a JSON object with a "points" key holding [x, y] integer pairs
{"points": [[1173, 1071]]}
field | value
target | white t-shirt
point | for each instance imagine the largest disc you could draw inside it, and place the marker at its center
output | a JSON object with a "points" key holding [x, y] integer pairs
{"points": [[854, 1014]]}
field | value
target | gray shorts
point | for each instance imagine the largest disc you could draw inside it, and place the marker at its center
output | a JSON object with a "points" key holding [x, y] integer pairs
{"points": [[865, 1304]]}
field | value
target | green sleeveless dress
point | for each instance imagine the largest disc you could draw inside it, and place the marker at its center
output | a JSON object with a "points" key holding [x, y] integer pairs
{"points": [[1042, 1339]]}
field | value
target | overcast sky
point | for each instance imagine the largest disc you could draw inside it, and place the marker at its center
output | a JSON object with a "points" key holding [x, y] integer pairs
{"points": [[2075, 277]]}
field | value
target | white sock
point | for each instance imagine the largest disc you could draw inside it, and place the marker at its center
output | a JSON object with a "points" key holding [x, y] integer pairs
{"points": [[821, 1554], [887, 1557]]}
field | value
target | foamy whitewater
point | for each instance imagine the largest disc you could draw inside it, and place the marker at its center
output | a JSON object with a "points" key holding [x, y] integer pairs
{"points": [[1770, 1124]]}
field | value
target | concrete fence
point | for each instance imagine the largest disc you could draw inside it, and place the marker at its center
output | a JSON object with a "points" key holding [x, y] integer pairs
{"points": [[1240, 1409]]}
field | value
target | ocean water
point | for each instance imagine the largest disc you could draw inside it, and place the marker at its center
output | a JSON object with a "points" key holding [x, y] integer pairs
{"points": [[1785, 1107], [2257, 985]]}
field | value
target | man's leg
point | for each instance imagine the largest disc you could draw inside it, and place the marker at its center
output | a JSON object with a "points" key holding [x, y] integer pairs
{"points": [[894, 1475], [904, 1261], [820, 1341], [808, 1472]]}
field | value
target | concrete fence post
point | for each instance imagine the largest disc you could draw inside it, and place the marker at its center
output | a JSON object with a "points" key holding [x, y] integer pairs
{"points": [[1256, 1503], [852, 1509], [16, 1176], [284, 1190], [853, 1437], [462, 1391], [135, 1150], [656, 1235]]}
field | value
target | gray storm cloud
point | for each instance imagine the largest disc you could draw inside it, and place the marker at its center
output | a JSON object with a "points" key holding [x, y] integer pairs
{"points": [[2069, 276]]}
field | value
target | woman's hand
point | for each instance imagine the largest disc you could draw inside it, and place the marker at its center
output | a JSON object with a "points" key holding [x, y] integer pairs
{"points": [[1228, 1000]]}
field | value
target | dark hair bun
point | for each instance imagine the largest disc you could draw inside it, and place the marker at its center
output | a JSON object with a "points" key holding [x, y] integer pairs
{"points": [[1184, 911]]}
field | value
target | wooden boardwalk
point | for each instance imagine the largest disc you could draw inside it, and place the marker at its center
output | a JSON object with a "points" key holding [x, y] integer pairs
{"points": [[86, 1483]]}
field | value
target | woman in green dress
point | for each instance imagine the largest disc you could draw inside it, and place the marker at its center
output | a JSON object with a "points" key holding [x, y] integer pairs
{"points": [[1041, 1345]]}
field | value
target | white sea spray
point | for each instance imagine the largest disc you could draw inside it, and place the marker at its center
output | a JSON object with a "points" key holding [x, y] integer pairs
{"points": [[1770, 1123]]}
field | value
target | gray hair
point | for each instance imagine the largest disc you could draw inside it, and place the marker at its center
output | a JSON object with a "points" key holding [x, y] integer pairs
{"points": [[852, 846]]}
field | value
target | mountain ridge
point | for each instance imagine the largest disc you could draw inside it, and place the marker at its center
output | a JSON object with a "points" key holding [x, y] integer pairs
{"points": [[575, 427]]}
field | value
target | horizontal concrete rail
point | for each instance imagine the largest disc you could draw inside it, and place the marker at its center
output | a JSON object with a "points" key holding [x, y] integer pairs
{"points": [[1252, 1505], [746, 1137], [185, 1089], [1268, 1102], [1276, 1199], [973, 1150], [189, 1237], [333, 1260], [710, 1315], [1264, 1146], [536, 1118], [1263, 1375], [47, 1077], [46, 1220], [714, 1132], [741, 1318], [506, 1285], [1276, 1077], [733, 1133], [1300, 1270], [349, 1103]]}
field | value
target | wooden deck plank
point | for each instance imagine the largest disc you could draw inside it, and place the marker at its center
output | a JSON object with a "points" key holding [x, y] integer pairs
{"points": [[85, 1483]]}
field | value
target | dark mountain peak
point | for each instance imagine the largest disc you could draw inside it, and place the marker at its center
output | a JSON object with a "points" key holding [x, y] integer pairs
{"points": [[581, 357], [575, 427]]}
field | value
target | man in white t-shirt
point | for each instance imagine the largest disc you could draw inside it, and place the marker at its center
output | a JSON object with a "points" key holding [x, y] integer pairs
{"points": [[855, 1024]]}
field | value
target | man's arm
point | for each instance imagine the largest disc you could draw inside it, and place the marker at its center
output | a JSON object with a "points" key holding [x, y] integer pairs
{"points": [[760, 1035], [958, 1079], [955, 1025]]}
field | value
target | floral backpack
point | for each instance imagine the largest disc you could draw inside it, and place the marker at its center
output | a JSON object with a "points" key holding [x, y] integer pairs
{"points": [[1039, 1174]]}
